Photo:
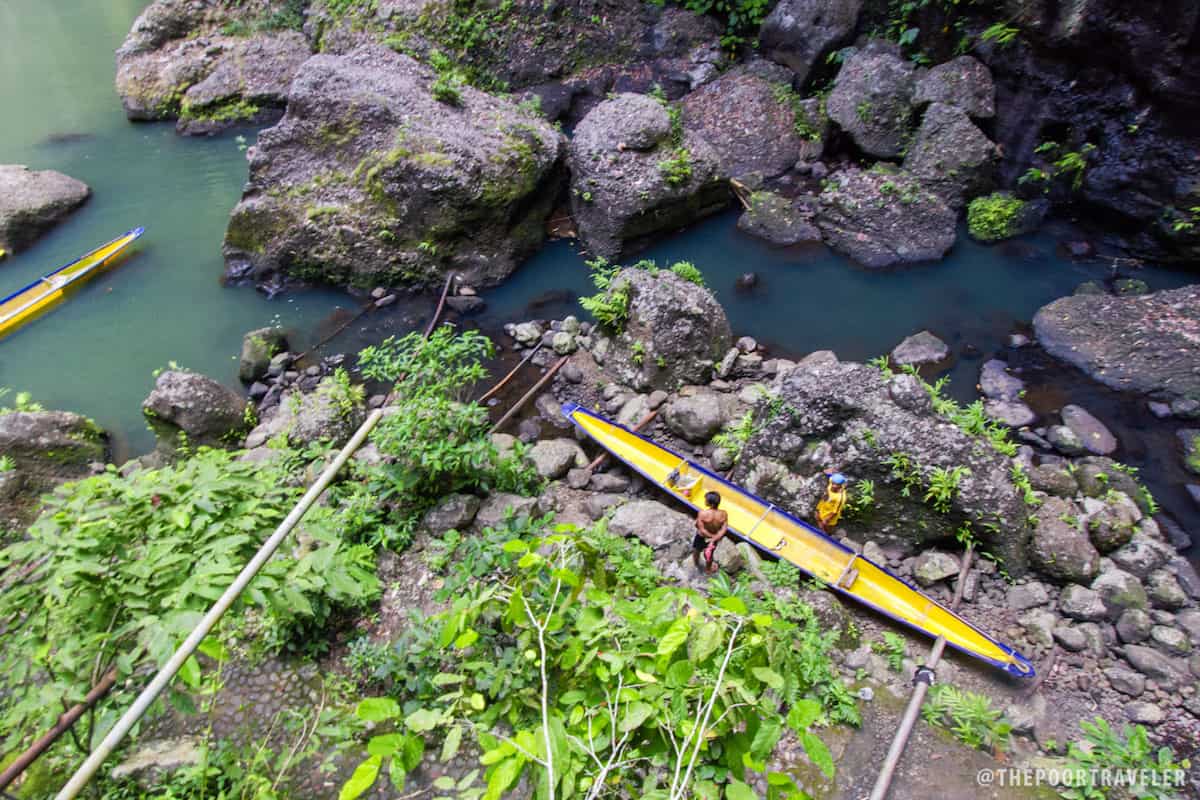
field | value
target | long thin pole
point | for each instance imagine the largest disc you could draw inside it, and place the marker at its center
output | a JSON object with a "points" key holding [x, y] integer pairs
{"points": [[63, 724], [510, 374], [921, 683], [168, 671], [537, 387]]}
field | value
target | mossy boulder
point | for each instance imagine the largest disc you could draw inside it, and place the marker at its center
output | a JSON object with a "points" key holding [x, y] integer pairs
{"points": [[43, 449], [369, 179], [1000, 215]]}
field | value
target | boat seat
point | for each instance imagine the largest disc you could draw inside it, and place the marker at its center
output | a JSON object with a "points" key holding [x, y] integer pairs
{"points": [[849, 574], [685, 483]]}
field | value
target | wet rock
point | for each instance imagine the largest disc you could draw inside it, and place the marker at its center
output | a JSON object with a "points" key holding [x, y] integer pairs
{"points": [[466, 185], [572, 373], [563, 343], [1065, 440], [258, 348], [1172, 530], [32, 202], [741, 117], [1039, 626], [1164, 591], [920, 348], [1189, 441], [1152, 664], [189, 408], [331, 413], [778, 220], [674, 333], [652, 523], [527, 334], [1120, 591], [1125, 681], [1171, 641], [997, 384], [1091, 432], [748, 280], [454, 512], [529, 430], [609, 482], [496, 507], [1053, 479], [963, 83], [1070, 638], [872, 98], [466, 305], [1081, 603], [620, 193], [801, 33], [1059, 548], [1023, 597], [908, 392], [553, 457], [1112, 526], [934, 566], [859, 216], [597, 505], [1189, 620], [1136, 344], [951, 157]]}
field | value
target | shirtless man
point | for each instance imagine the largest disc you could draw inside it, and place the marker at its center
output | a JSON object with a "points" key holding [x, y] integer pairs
{"points": [[711, 526]]}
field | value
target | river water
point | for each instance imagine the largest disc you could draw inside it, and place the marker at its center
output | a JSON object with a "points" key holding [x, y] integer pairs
{"points": [[96, 354]]}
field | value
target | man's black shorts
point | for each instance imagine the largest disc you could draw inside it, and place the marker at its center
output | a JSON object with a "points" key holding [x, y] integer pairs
{"points": [[699, 542]]}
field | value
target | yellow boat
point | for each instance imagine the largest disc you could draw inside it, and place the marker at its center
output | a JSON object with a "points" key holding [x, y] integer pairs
{"points": [[25, 304], [774, 531]]}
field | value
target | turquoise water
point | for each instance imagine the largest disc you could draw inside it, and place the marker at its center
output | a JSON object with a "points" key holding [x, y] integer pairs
{"points": [[97, 352]]}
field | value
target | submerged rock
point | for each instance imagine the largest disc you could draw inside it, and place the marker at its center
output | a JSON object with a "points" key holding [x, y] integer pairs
{"points": [[1091, 432], [34, 201], [779, 220], [872, 98], [920, 348], [880, 218], [370, 180], [1145, 344], [634, 173]]}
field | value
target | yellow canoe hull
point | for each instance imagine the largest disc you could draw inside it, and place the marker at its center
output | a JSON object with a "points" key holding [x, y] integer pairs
{"points": [[774, 531], [27, 303]]}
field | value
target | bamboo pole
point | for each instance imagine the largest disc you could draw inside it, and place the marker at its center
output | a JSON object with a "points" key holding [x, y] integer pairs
{"points": [[510, 374], [537, 387], [64, 723], [921, 683]]}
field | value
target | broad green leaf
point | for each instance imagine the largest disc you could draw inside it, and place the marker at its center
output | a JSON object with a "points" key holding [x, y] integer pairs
{"points": [[736, 790], [680, 674], [466, 639], [675, 636], [362, 779], [818, 753], [763, 620], [766, 737], [453, 740], [411, 752], [768, 676], [566, 576], [706, 790], [635, 715], [515, 546], [385, 745], [397, 774], [477, 701], [444, 784], [422, 720], [803, 713], [503, 776], [734, 605], [189, 673], [705, 641], [447, 679], [530, 560], [377, 709]]}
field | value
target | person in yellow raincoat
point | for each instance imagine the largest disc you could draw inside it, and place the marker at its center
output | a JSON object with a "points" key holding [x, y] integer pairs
{"points": [[829, 508]]}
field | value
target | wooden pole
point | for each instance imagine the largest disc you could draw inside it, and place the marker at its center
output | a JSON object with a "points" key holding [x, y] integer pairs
{"points": [[509, 376], [437, 312], [64, 723], [537, 387], [600, 459]]}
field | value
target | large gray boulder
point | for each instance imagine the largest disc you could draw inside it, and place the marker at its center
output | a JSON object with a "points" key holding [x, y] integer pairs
{"points": [[1144, 344], [801, 33], [880, 218], [750, 130], [369, 179], [212, 65], [1120, 592], [189, 409], [674, 334], [961, 82], [1059, 547], [825, 412], [1093, 434], [697, 414], [34, 201], [622, 185], [47, 448], [780, 220], [258, 348], [872, 99], [552, 458], [951, 156], [654, 524]]}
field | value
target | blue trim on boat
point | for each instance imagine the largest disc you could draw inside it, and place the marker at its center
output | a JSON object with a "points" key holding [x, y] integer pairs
{"points": [[136, 232], [569, 409]]}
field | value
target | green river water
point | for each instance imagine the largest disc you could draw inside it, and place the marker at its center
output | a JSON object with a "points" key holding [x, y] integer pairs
{"points": [[96, 354]]}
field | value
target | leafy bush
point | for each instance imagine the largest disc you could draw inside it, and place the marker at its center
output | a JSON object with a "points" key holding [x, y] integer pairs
{"points": [[677, 169], [125, 566], [1102, 748], [969, 716], [943, 486], [436, 441], [22, 401], [994, 217], [688, 271], [610, 305], [560, 667], [894, 648]]}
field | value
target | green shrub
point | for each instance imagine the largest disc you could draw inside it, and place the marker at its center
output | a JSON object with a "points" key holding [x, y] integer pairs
{"points": [[1103, 749], [127, 565], [969, 716], [610, 305], [688, 271], [677, 168], [994, 217]]}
